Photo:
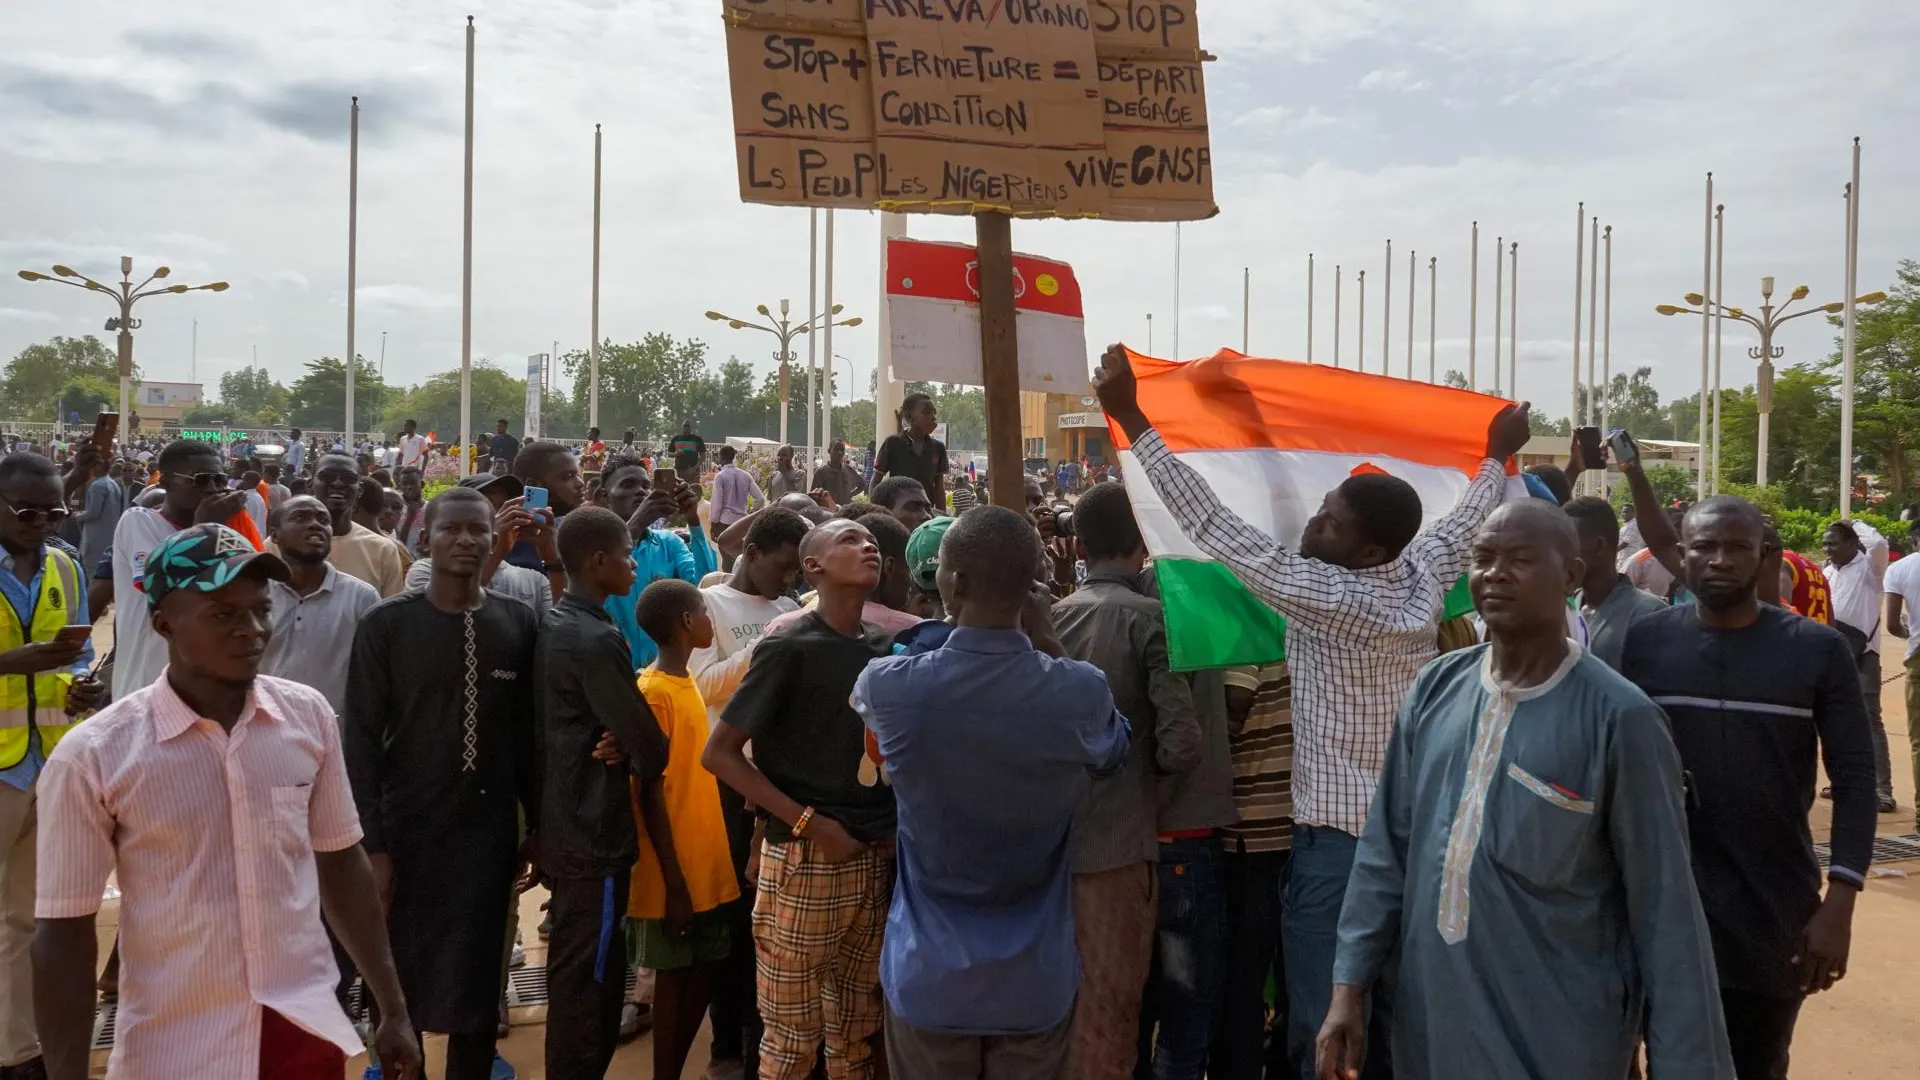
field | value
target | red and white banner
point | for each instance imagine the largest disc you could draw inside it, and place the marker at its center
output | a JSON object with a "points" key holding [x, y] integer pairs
{"points": [[933, 303]]}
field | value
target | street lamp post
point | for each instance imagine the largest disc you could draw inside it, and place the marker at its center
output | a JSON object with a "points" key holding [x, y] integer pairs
{"points": [[125, 296], [785, 330], [1769, 320]]}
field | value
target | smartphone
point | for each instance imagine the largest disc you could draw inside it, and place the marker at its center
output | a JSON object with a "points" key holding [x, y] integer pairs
{"points": [[1625, 450], [665, 480], [535, 499], [1589, 440], [105, 427], [74, 635]]}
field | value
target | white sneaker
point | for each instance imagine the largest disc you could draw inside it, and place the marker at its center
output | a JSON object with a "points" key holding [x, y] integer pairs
{"points": [[519, 957]]}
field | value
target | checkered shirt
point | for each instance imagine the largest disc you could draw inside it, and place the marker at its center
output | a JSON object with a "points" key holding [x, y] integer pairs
{"points": [[1355, 638]]}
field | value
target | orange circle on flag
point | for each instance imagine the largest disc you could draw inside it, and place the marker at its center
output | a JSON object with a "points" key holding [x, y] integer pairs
{"points": [[1047, 284]]}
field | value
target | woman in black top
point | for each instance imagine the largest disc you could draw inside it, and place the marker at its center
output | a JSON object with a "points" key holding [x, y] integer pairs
{"points": [[915, 452]]}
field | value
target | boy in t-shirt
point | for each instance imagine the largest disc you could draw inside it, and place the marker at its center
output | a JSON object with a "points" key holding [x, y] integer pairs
{"points": [[826, 866], [681, 933]]}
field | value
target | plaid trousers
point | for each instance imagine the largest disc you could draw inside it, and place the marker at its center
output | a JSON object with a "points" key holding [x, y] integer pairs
{"points": [[817, 927]]}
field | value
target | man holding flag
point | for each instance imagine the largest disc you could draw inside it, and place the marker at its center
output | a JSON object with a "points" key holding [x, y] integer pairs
{"points": [[1363, 598]]}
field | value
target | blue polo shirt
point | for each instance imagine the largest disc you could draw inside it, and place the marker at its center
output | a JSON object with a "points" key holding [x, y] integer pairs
{"points": [[990, 746]]}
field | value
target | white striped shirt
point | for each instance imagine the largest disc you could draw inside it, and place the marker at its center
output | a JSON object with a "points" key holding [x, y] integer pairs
{"points": [[213, 836], [1355, 638]]}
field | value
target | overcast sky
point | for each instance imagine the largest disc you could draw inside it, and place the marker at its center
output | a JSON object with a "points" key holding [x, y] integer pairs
{"points": [[212, 135]]}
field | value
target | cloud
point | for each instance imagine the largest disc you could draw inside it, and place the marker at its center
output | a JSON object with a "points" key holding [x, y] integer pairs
{"points": [[186, 44], [22, 315], [1282, 118], [1396, 79], [289, 279], [382, 298], [208, 110]]}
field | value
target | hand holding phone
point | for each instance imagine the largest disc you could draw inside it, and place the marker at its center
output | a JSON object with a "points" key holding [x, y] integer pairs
{"points": [[1586, 440], [1625, 451], [74, 635]]}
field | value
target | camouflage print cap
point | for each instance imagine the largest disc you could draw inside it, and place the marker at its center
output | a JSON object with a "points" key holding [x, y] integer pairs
{"points": [[205, 558]]}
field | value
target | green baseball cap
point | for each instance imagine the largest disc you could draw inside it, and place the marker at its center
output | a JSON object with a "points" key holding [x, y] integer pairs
{"points": [[923, 552]]}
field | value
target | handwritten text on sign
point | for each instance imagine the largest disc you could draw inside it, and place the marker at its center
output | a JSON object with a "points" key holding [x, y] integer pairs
{"points": [[1061, 108]]}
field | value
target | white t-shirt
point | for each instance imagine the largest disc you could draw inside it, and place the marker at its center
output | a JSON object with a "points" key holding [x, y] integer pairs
{"points": [[1856, 597], [139, 652], [389, 456], [739, 619], [1903, 581], [413, 449]]}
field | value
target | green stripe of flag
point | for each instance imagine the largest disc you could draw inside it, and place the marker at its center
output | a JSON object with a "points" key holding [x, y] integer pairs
{"points": [[1214, 621]]}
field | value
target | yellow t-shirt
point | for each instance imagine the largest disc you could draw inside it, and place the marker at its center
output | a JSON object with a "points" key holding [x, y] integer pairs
{"points": [[693, 806]]}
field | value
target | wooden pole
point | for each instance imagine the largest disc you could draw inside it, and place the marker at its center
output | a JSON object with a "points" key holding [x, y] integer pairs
{"points": [[1000, 357]]}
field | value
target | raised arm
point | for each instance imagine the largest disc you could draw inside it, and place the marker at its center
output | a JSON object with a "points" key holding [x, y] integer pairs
{"points": [[1647, 826], [1655, 529]]}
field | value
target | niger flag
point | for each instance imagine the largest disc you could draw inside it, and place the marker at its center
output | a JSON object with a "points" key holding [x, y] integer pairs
{"points": [[933, 313], [1272, 437]]}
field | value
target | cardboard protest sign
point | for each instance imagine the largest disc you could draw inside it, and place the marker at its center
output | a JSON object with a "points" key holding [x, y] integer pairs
{"points": [[1038, 108]]}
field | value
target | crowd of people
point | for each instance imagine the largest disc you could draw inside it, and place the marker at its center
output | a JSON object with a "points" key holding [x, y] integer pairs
{"points": [[876, 778]]}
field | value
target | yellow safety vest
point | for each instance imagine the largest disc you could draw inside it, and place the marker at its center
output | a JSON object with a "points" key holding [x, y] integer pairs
{"points": [[40, 700]]}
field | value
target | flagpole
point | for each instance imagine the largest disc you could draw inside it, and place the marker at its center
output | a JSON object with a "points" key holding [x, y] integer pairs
{"points": [[1719, 297], [593, 350], [1360, 335], [1706, 338], [1473, 313], [1413, 290], [1246, 306], [1593, 317], [1336, 314], [826, 351], [1513, 323], [813, 338], [1386, 318], [1176, 290], [353, 251], [886, 389], [1499, 277], [466, 279], [1433, 316], [1309, 307], [1579, 264], [1606, 332], [1847, 336]]}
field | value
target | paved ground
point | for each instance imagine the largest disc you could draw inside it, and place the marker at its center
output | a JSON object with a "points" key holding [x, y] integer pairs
{"points": [[1863, 1028]]}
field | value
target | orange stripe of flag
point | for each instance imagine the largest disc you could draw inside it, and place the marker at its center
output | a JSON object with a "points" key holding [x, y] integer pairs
{"points": [[1229, 401]]}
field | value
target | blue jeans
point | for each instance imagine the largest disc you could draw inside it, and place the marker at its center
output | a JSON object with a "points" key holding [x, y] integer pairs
{"points": [[1190, 944], [1316, 885]]}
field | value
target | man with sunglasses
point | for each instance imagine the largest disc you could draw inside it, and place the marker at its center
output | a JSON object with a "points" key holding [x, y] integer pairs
{"points": [[195, 492], [43, 679]]}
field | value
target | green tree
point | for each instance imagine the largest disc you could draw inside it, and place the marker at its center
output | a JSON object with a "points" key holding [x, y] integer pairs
{"points": [[317, 400], [1670, 482], [1886, 394], [645, 385], [33, 381], [253, 393], [89, 396], [435, 404]]}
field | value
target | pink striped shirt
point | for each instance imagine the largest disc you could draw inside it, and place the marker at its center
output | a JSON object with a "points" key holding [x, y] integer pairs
{"points": [[213, 836]]}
